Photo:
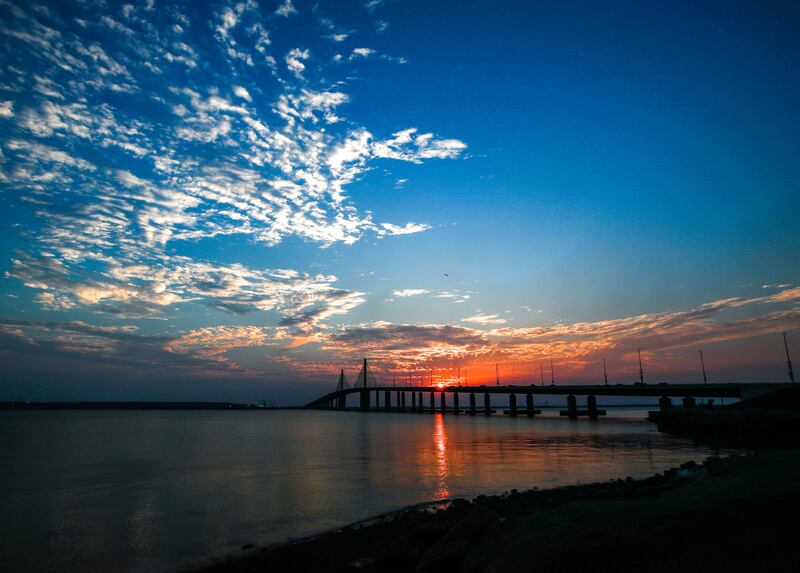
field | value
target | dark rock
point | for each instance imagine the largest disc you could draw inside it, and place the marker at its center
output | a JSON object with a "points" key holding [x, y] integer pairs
{"points": [[471, 527], [444, 557], [362, 563], [427, 532]]}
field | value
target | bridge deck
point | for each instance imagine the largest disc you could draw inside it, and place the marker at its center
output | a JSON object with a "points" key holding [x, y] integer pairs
{"points": [[641, 390]]}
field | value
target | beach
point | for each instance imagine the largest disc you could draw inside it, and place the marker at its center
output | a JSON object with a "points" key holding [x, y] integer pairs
{"points": [[731, 514]]}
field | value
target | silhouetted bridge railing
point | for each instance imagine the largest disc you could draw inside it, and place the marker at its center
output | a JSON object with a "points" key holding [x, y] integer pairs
{"points": [[379, 398]]}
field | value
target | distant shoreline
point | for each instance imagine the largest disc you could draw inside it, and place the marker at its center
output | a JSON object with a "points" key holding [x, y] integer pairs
{"points": [[215, 406], [138, 406]]}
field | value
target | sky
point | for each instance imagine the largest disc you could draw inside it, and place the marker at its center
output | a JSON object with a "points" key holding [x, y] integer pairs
{"points": [[234, 200]]}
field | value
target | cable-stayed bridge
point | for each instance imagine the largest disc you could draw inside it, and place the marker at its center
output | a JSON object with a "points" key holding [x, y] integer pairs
{"points": [[371, 396]]}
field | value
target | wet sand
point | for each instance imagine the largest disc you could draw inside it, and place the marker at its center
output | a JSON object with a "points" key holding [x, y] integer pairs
{"points": [[731, 514]]}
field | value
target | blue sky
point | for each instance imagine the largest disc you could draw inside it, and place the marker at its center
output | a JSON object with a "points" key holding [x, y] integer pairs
{"points": [[230, 200]]}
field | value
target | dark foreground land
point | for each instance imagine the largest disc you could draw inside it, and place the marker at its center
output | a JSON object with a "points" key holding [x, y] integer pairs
{"points": [[732, 514]]}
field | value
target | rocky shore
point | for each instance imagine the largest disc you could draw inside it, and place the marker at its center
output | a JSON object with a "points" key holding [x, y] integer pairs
{"points": [[731, 514]]}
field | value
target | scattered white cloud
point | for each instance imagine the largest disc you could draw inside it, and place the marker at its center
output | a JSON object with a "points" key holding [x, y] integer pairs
{"points": [[242, 93], [361, 53], [294, 61], [404, 293], [119, 191], [286, 9], [485, 319], [407, 229]]}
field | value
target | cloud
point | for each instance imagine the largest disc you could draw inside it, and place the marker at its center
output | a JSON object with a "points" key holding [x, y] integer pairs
{"points": [[407, 145], [213, 342], [294, 61], [286, 9], [485, 319], [576, 346], [63, 346], [404, 293], [407, 229], [126, 155], [454, 295], [142, 290], [361, 53], [242, 93]]}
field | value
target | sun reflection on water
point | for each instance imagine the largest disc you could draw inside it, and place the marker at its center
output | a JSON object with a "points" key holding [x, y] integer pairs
{"points": [[440, 440]]}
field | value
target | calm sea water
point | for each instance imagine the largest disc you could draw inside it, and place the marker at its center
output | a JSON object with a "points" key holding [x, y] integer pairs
{"points": [[161, 490]]}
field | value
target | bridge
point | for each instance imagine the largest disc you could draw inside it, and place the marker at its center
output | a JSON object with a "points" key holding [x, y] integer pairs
{"points": [[423, 399]]}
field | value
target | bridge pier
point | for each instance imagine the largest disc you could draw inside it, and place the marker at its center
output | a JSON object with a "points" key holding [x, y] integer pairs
{"points": [[664, 403], [387, 400], [487, 404], [512, 404], [443, 401], [377, 399], [591, 405], [529, 403], [341, 402], [455, 403], [403, 401], [397, 399], [364, 400], [419, 403], [433, 403], [413, 401], [472, 403], [689, 402], [572, 406]]}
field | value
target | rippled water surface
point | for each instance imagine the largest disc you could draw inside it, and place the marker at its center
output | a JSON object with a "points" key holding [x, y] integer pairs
{"points": [[159, 490]]}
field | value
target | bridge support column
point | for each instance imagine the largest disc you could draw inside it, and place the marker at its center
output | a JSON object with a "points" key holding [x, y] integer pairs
{"points": [[512, 404], [403, 401], [413, 400], [377, 399], [443, 400], [591, 405], [397, 400], [529, 403], [664, 403], [387, 400], [472, 403], [455, 403], [433, 403], [419, 403], [487, 404], [364, 399], [572, 406], [689, 402]]}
